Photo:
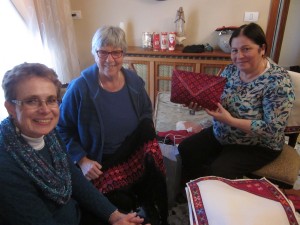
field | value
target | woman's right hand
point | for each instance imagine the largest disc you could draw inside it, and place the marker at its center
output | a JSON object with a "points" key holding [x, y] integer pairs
{"points": [[194, 106], [91, 169], [118, 218]]}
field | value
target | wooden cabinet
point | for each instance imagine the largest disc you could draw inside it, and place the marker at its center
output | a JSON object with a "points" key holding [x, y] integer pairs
{"points": [[156, 67]]}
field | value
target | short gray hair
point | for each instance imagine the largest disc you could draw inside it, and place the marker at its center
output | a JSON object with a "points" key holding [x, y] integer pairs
{"points": [[109, 36]]}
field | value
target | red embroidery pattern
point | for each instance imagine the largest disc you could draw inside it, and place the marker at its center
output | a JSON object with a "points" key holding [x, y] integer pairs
{"points": [[204, 89], [132, 170], [260, 187]]}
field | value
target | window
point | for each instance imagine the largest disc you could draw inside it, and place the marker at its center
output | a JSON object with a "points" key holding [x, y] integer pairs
{"points": [[17, 45]]}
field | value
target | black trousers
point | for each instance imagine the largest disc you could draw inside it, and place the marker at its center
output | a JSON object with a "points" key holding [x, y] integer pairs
{"points": [[203, 155]]}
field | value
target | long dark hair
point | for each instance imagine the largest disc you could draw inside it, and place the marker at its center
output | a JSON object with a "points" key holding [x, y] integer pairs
{"points": [[252, 31]]}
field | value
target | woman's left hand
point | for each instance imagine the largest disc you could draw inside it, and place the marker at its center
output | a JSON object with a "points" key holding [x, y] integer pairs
{"points": [[220, 114]]}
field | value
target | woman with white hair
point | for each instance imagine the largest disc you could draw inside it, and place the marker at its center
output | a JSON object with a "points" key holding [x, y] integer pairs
{"points": [[106, 122]]}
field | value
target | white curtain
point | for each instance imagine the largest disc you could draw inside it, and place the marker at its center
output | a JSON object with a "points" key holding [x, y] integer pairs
{"points": [[51, 22], [37, 31], [17, 44]]}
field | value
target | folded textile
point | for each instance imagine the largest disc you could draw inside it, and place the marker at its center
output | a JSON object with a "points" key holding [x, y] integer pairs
{"points": [[203, 89], [296, 201], [134, 176], [190, 126], [215, 200]]}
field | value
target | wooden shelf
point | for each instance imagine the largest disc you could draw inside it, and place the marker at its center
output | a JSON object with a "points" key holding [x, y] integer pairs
{"points": [[133, 50], [155, 67]]}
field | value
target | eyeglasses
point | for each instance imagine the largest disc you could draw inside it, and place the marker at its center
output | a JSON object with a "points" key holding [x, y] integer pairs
{"points": [[34, 103], [104, 54]]}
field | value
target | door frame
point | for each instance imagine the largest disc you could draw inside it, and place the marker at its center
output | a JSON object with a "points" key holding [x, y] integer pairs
{"points": [[276, 25]]}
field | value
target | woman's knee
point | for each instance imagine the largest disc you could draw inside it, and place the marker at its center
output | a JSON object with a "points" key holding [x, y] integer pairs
{"points": [[225, 171], [183, 147]]}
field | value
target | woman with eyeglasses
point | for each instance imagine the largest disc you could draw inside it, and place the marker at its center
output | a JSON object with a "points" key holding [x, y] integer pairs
{"points": [[106, 123], [39, 182]]}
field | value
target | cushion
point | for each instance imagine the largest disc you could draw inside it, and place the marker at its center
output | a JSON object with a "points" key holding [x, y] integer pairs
{"points": [[215, 200], [293, 124], [284, 168]]}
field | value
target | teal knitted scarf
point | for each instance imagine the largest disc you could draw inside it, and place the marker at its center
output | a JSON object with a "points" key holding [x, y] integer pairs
{"points": [[53, 180]]}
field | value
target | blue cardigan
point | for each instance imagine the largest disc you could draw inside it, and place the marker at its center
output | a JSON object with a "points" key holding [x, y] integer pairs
{"points": [[80, 123]]}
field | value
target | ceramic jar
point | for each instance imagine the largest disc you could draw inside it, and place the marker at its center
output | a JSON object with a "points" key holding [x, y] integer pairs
{"points": [[223, 42]]}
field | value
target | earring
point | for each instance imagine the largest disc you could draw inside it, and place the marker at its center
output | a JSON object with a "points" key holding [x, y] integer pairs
{"points": [[18, 131]]}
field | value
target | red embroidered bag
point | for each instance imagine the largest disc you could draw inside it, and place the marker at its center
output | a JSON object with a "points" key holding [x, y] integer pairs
{"points": [[200, 88]]}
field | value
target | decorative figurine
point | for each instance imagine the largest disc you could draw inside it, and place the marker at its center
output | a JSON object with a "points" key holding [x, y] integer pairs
{"points": [[179, 26]]}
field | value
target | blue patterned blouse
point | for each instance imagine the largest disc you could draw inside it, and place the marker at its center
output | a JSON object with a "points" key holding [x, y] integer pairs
{"points": [[266, 101]]}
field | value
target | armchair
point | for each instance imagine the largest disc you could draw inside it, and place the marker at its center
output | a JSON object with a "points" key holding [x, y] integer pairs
{"points": [[285, 169]]}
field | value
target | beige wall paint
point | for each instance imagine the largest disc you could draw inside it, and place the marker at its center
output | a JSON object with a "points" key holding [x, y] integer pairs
{"points": [[202, 18]]}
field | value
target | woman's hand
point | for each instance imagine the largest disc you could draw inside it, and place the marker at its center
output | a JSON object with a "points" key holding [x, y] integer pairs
{"points": [[194, 106], [118, 218], [220, 114], [90, 169]]}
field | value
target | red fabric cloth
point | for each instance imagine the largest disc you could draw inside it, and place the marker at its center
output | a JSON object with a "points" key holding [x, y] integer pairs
{"points": [[130, 171], [200, 88], [135, 176], [296, 201]]}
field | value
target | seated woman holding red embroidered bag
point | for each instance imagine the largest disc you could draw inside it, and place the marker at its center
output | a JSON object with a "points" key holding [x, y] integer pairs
{"points": [[248, 125]]}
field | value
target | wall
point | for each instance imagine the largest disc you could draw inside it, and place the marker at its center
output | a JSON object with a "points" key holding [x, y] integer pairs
{"points": [[290, 49], [202, 18]]}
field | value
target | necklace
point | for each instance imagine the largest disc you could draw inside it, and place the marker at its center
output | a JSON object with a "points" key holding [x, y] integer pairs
{"points": [[110, 85]]}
